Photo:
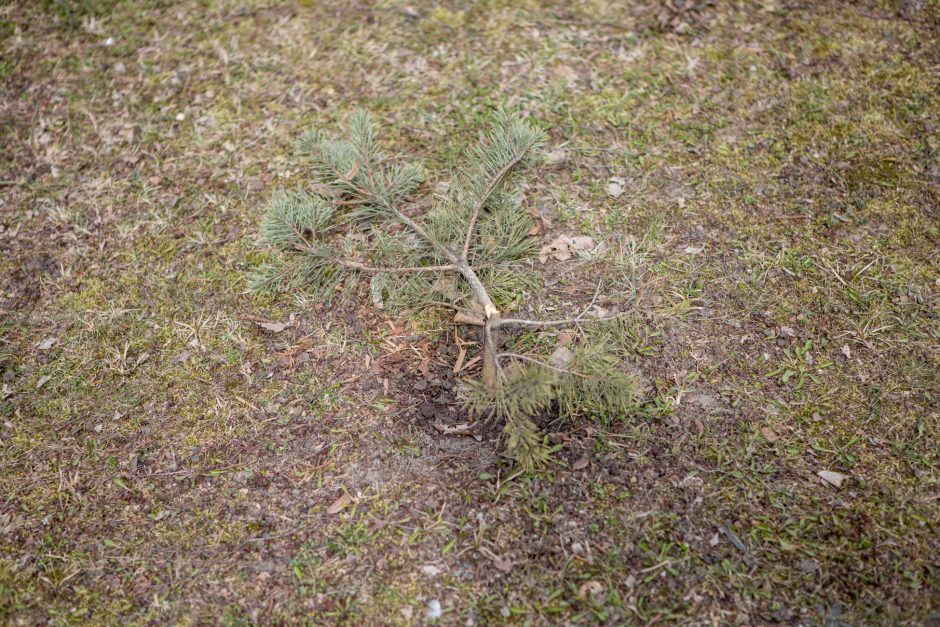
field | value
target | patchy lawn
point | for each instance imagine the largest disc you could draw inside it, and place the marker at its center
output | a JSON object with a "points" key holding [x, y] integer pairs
{"points": [[766, 176]]}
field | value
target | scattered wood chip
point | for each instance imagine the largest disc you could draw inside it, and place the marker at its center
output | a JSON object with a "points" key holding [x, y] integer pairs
{"points": [[833, 478], [43, 380], [461, 355], [464, 317], [339, 504], [847, 351], [470, 363]]}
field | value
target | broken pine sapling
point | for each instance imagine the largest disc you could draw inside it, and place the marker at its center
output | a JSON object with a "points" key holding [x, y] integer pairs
{"points": [[470, 251]]}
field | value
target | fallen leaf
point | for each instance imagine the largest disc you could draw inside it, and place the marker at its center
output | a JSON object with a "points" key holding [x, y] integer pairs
{"points": [[557, 156], [47, 343], [502, 564], [561, 357], [592, 588], [434, 610], [580, 464], [599, 312], [615, 186], [447, 285], [424, 366], [769, 434], [568, 73], [339, 504], [430, 570], [833, 478], [847, 351], [462, 427], [42, 381], [563, 247], [273, 327], [693, 250]]}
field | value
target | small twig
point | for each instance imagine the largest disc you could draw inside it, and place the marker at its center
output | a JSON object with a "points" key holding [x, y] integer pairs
{"points": [[355, 265], [557, 323], [522, 322]]}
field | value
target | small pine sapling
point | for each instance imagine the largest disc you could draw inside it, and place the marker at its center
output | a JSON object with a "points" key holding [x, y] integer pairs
{"points": [[467, 251]]}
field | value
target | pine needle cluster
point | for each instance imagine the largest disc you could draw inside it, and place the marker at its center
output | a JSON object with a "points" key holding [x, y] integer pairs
{"points": [[471, 251]]}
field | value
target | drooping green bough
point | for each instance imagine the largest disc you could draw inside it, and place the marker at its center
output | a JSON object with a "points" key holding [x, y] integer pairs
{"points": [[470, 251]]}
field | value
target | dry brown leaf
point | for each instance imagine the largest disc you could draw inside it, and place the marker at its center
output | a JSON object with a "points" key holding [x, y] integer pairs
{"points": [[769, 434], [273, 327], [561, 357], [833, 478], [557, 156], [461, 428], [580, 464], [592, 588], [339, 504], [615, 186], [424, 366], [47, 343], [563, 247], [503, 564]]}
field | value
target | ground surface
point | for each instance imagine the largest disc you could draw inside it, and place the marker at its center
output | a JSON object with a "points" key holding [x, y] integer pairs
{"points": [[775, 243]]}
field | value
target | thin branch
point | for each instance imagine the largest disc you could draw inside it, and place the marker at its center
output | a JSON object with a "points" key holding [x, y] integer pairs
{"points": [[535, 324], [446, 252], [484, 197], [414, 226], [355, 265], [522, 322]]}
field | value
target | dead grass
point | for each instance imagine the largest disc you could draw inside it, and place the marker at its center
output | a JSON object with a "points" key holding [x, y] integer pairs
{"points": [[164, 459]]}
